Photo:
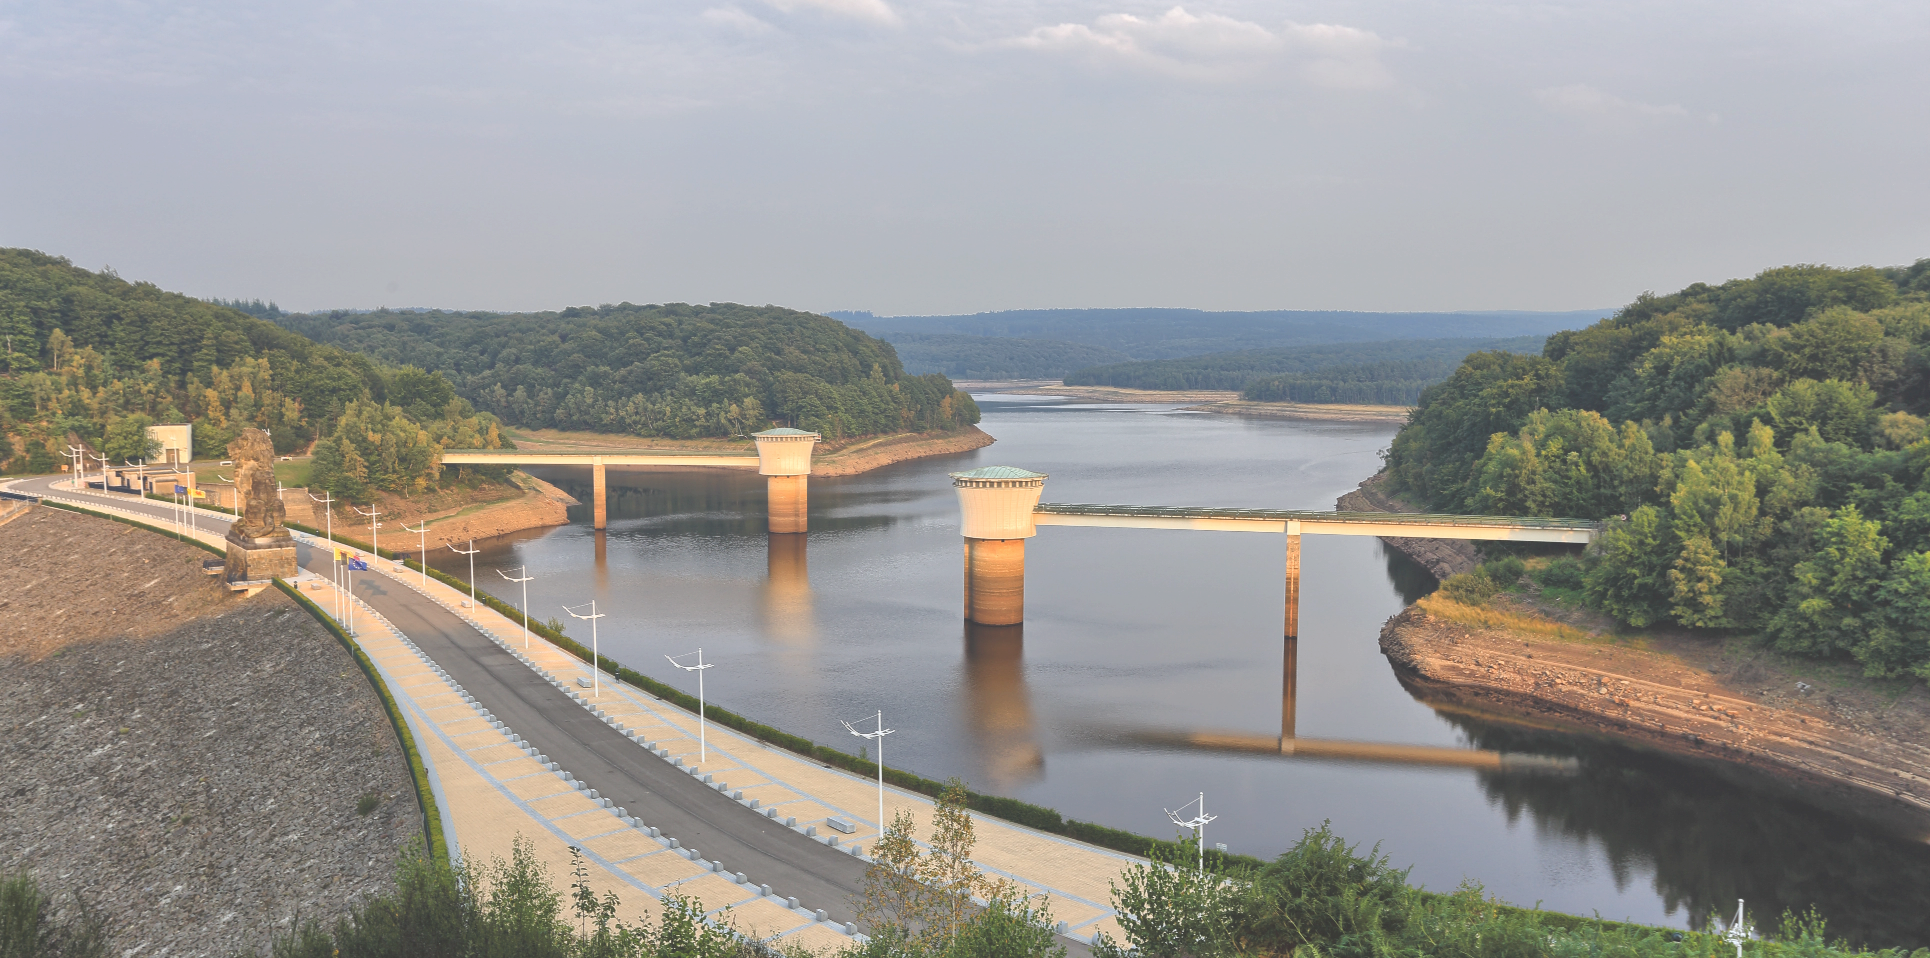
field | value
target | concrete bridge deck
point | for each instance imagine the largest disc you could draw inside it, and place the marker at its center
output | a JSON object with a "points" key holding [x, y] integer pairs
{"points": [[1297, 522], [511, 457]]}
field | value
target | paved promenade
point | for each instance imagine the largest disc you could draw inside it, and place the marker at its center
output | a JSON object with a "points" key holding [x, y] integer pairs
{"points": [[492, 788]]}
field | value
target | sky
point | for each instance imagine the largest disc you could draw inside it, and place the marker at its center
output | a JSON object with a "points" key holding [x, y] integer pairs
{"points": [[913, 157]]}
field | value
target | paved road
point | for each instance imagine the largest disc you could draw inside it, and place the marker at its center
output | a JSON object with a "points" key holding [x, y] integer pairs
{"points": [[652, 789]]}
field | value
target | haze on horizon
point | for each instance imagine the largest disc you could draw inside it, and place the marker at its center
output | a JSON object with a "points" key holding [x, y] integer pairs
{"points": [[947, 157]]}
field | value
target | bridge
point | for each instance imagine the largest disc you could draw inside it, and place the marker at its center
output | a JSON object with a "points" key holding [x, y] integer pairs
{"points": [[1001, 509], [783, 458]]}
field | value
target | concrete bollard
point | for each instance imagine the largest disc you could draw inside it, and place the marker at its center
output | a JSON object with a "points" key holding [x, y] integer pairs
{"points": [[791, 902], [764, 890], [823, 915], [996, 504]]}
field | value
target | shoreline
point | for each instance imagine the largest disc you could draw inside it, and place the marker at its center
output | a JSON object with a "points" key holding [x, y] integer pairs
{"points": [[1218, 401], [1818, 726], [1829, 741]]}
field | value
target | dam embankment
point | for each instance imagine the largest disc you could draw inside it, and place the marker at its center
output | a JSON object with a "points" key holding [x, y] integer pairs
{"points": [[201, 767]]}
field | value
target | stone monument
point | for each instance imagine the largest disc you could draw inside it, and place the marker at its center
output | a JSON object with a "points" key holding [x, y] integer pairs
{"points": [[260, 548]]}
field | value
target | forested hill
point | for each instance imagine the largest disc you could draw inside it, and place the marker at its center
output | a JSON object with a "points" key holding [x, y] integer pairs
{"points": [[1159, 333], [1405, 365], [92, 358], [675, 370], [1765, 439]]}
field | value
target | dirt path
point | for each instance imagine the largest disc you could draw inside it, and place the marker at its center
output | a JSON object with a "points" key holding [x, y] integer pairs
{"points": [[192, 761]]}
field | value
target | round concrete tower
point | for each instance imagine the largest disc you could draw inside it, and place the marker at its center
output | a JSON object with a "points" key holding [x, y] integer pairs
{"points": [[996, 503], [784, 459]]}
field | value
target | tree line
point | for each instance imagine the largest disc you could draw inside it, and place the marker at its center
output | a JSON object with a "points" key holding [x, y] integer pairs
{"points": [[1269, 375], [1758, 446], [92, 359], [675, 370]]}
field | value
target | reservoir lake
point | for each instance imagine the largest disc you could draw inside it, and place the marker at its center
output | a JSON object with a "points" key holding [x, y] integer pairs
{"points": [[1132, 635]]}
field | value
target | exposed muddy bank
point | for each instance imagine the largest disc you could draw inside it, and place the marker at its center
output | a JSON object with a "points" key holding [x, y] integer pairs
{"points": [[1442, 557], [1844, 739]]}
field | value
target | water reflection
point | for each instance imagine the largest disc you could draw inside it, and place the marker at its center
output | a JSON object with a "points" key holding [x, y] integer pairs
{"points": [[998, 707], [787, 588], [1730, 833]]}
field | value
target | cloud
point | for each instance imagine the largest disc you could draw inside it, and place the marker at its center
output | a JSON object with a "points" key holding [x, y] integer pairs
{"points": [[1587, 102], [735, 19], [875, 11], [1216, 47]]}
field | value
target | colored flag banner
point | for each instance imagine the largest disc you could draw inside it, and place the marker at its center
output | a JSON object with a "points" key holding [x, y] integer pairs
{"points": [[358, 563], [180, 490]]}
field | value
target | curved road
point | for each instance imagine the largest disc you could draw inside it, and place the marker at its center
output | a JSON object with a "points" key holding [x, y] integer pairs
{"points": [[652, 789]]}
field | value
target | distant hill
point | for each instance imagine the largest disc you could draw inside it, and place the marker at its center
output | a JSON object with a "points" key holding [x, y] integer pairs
{"points": [[987, 357], [674, 370], [1403, 361], [1160, 333]]}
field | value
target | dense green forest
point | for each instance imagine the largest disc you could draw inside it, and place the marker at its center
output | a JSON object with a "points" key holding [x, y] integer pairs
{"points": [[1760, 445], [1351, 362], [988, 357], [675, 370], [1159, 333], [91, 358]]}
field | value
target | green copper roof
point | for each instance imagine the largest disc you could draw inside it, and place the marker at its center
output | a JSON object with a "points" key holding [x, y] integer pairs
{"points": [[999, 472], [783, 431]]}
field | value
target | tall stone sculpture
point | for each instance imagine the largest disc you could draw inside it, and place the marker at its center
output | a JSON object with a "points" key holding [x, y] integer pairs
{"points": [[260, 548]]}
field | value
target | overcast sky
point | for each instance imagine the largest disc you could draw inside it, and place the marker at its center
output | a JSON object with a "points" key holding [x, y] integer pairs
{"points": [[906, 156]]}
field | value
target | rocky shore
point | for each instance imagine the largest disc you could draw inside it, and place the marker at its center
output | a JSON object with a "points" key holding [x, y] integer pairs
{"points": [[1442, 557], [1861, 745], [203, 768]]}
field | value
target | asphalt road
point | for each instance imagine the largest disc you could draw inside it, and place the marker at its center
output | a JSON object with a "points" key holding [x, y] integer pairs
{"points": [[652, 790]]}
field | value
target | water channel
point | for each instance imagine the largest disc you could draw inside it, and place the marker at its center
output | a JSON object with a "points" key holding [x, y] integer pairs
{"points": [[1131, 632]]}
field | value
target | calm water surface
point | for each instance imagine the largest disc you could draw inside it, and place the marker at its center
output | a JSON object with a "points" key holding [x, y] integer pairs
{"points": [[1132, 631]]}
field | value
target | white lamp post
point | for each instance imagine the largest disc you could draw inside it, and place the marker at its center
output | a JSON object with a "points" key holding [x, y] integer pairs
{"points": [[237, 492], [1197, 823], [103, 461], [702, 749], [877, 738], [73, 452], [424, 557], [596, 657], [1738, 932], [334, 567], [472, 568], [375, 532], [524, 572]]}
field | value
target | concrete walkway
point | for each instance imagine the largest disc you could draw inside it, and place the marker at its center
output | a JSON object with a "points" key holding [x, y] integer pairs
{"points": [[493, 788]]}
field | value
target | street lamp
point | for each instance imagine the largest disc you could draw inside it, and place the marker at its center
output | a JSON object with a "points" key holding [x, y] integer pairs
{"points": [[1197, 823], [1738, 933], [702, 749], [424, 552], [524, 572], [877, 738], [74, 453], [237, 492], [472, 568], [596, 657], [375, 533], [334, 554], [103, 461]]}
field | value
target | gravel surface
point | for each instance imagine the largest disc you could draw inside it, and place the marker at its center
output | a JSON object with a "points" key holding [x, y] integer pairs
{"points": [[189, 760]]}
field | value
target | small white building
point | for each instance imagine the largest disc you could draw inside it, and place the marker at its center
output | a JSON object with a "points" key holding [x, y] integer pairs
{"points": [[175, 442]]}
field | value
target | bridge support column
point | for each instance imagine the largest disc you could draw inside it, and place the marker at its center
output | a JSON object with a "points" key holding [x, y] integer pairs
{"points": [[996, 504], [1289, 687], [784, 459], [1293, 580], [789, 503], [600, 508], [995, 581]]}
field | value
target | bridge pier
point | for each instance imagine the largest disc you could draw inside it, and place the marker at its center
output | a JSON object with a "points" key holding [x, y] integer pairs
{"points": [[600, 507], [996, 504], [784, 459], [1293, 580]]}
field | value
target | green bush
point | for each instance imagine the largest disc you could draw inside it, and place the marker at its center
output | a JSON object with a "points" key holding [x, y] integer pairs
{"points": [[1470, 588], [1563, 573]]}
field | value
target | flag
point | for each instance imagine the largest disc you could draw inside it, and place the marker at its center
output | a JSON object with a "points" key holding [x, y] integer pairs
{"points": [[358, 563], [198, 494], [180, 490]]}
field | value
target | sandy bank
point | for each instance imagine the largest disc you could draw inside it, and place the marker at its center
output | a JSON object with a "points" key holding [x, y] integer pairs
{"points": [[190, 760], [1864, 743], [1224, 401]]}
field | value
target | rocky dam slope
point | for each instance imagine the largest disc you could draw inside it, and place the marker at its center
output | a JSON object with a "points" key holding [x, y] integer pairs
{"points": [[202, 767]]}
